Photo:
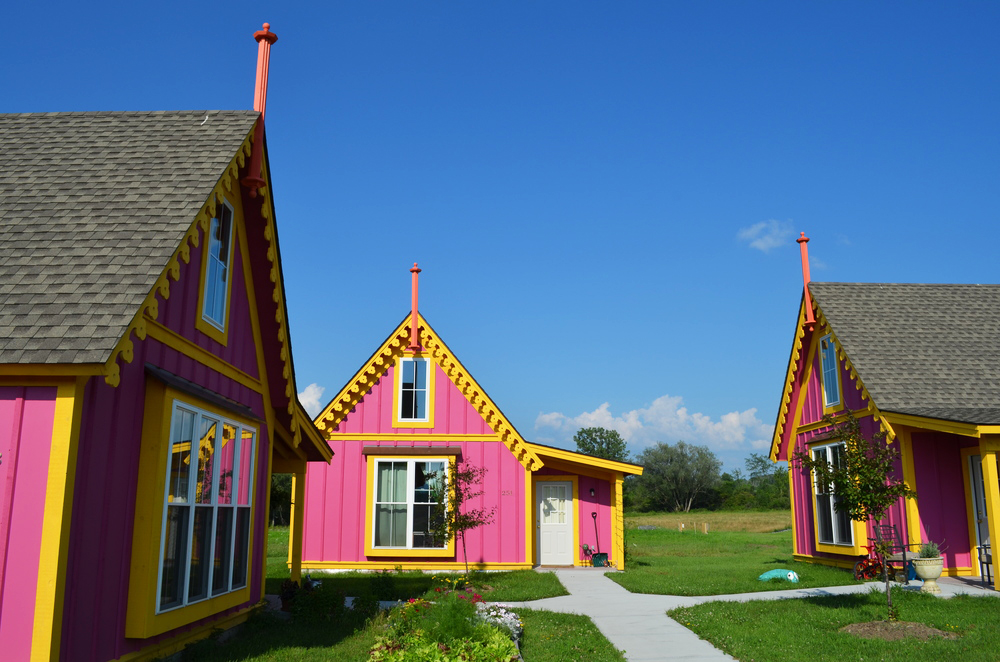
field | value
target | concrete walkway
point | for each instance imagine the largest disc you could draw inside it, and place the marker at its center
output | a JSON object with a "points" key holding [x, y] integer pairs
{"points": [[638, 624]]}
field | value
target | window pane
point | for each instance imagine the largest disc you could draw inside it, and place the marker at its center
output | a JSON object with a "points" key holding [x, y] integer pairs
{"points": [[390, 526], [206, 446], [843, 533], [824, 518], [242, 550], [226, 458], [420, 373], [174, 557], [408, 375], [427, 481], [201, 559], [223, 550], [179, 475], [420, 405], [391, 482], [246, 467]]}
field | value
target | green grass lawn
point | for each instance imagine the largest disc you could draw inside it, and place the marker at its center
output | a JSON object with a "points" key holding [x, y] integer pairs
{"points": [[551, 637], [808, 629], [667, 562]]}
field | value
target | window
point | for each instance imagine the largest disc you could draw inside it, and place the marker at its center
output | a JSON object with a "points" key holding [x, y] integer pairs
{"points": [[407, 500], [206, 507], [832, 527], [829, 366], [414, 388], [220, 243]]}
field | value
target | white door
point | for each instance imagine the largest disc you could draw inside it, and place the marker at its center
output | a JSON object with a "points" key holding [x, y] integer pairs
{"points": [[979, 500], [555, 523]]}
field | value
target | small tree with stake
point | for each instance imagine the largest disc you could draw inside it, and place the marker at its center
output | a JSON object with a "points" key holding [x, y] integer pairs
{"points": [[453, 515], [862, 481]]}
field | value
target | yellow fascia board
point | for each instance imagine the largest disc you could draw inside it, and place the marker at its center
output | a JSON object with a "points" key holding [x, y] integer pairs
{"points": [[310, 430], [410, 565], [580, 458], [936, 424], [370, 548], [50, 370], [388, 353], [786, 393], [175, 341]]}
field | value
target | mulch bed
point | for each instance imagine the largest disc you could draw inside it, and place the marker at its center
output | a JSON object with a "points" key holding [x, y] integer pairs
{"points": [[895, 630]]}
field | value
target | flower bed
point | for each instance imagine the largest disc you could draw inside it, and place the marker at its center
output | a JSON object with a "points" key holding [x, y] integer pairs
{"points": [[456, 625]]}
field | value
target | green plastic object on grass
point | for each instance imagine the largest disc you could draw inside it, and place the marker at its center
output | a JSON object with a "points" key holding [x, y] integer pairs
{"points": [[787, 575]]}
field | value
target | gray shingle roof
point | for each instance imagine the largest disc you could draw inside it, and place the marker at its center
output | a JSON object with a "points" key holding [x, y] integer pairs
{"points": [[92, 205], [925, 350]]}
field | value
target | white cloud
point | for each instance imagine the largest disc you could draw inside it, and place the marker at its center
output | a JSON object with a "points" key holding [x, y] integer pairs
{"points": [[667, 420], [310, 399], [767, 234]]}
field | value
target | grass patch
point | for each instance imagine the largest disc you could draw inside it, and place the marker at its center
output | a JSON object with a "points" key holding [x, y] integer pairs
{"points": [[552, 637], [809, 629], [667, 562], [718, 521]]}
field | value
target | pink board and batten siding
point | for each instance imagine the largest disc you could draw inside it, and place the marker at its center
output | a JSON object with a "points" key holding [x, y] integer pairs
{"points": [[100, 545], [26, 420], [335, 493]]}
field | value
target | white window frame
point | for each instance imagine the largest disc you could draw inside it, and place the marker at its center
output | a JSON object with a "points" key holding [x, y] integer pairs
{"points": [[410, 502], [219, 286], [189, 502], [425, 391], [829, 365], [830, 505]]}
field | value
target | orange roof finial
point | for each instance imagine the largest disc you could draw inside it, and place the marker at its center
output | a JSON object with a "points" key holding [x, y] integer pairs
{"points": [[264, 40], [804, 251], [414, 330]]}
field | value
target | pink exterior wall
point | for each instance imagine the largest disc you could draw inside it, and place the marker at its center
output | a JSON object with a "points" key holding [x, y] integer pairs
{"points": [[938, 472], [104, 500], [586, 506], [335, 504], [26, 416]]}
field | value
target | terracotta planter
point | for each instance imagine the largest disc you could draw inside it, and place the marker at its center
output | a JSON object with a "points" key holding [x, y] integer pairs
{"points": [[929, 570]]}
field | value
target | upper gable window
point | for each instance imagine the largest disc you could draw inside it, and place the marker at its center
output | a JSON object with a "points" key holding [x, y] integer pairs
{"points": [[220, 244], [414, 390], [830, 371]]}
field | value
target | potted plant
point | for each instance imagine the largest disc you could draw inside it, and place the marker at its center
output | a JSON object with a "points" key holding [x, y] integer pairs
{"points": [[928, 566]]}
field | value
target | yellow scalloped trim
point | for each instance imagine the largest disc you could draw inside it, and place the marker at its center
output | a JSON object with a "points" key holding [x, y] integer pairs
{"points": [[229, 179], [386, 356], [824, 328]]}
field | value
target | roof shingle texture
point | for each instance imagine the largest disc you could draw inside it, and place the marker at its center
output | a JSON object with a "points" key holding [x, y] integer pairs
{"points": [[92, 206], [925, 350]]}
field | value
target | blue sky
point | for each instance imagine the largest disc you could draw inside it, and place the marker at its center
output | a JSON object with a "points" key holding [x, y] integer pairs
{"points": [[603, 196]]}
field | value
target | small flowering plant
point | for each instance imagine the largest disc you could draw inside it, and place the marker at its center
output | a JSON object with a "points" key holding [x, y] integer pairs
{"points": [[502, 618]]}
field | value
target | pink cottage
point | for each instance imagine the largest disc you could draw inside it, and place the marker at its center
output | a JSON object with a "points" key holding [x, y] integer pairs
{"points": [[921, 363], [146, 385], [413, 411]]}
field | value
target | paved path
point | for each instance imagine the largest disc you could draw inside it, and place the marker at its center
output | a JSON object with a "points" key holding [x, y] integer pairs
{"points": [[637, 623]]}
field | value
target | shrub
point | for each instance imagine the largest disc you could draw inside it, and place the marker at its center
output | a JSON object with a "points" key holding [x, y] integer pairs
{"points": [[930, 550], [317, 605]]}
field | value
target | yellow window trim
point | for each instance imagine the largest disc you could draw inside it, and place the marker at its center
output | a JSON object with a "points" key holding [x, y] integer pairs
{"points": [[410, 565], [397, 375], [141, 620], [576, 512], [168, 337], [220, 336], [370, 549]]}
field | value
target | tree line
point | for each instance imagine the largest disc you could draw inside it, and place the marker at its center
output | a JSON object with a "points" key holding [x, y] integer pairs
{"points": [[679, 477]]}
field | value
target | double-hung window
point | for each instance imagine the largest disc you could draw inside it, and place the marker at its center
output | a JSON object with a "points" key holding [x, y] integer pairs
{"points": [[830, 371], [409, 501], [833, 527], [220, 244], [414, 389], [206, 507]]}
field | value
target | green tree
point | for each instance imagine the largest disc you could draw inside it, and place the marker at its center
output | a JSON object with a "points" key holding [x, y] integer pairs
{"points": [[601, 442], [453, 515], [674, 476], [862, 478], [281, 498]]}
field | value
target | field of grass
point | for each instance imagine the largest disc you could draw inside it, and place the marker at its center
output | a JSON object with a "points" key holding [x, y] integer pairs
{"points": [[726, 560], [808, 629], [718, 521]]}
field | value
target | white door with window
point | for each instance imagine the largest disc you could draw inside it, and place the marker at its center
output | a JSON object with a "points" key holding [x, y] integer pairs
{"points": [[554, 522]]}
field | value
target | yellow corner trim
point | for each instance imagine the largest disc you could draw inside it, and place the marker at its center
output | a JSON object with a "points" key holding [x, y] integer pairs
{"points": [[175, 341], [397, 372], [370, 548], [529, 518]]}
